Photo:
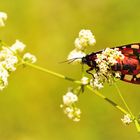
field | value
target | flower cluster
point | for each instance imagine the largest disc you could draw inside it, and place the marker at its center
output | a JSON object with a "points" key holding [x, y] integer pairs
{"points": [[84, 40], [108, 58], [69, 107], [75, 56], [9, 59], [85, 80], [105, 61], [3, 17], [126, 120], [17, 47], [10, 56], [28, 57]]}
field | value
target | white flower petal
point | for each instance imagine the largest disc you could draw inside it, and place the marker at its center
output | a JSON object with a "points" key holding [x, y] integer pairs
{"points": [[18, 46], [3, 17], [126, 119], [76, 56], [28, 57]]}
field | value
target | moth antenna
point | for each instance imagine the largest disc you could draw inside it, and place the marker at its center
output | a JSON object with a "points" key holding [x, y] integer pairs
{"points": [[70, 60]]}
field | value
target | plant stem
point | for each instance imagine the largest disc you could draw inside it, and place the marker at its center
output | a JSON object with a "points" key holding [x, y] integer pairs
{"points": [[108, 100], [137, 125], [77, 82], [52, 73], [123, 100], [116, 106], [88, 86]]}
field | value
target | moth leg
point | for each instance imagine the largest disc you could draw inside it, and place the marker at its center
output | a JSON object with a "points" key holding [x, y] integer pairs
{"points": [[82, 88], [88, 71]]}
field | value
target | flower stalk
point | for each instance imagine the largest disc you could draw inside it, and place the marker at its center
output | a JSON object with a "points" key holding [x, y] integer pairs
{"points": [[123, 100], [96, 92], [51, 72]]}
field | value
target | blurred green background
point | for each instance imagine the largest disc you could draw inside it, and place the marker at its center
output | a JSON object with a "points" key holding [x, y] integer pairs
{"points": [[29, 106]]}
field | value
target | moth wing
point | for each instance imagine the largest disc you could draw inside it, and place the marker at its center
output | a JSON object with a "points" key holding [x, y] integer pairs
{"points": [[132, 53]]}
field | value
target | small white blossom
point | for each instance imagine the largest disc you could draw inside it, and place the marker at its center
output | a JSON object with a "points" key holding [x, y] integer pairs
{"points": [[72, 113], [85, 80], [18, 46], [95, 83], [92, 41], [78, 44], [3, 17], [69, 98], [117, 75], [85, 39], [85, 33], [98, 85], [10, 63], [76, 56], [69, 112], [105, 60], [126, 119], [8, 59], [3, 77], [77, 111], [69, 106], [28, 57]]}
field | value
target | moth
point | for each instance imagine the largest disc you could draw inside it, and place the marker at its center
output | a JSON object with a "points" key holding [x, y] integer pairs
{"points": [[129, 67]]}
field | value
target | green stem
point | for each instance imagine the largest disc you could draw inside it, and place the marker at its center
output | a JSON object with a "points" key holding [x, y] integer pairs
{"points": [[123, 100], [77, 82], [133, 117], [116, 106], [108, 100], [137, 125], [89, 87], [51, 72]]}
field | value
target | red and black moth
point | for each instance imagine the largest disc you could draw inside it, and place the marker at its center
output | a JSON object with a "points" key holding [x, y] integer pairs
{"points": [[129, 67]]}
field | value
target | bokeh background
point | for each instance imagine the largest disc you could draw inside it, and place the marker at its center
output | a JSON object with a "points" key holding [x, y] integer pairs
{"points": [[29, 106]]}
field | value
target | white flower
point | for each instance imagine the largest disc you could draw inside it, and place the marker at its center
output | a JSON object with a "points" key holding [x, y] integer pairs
{"points": [[112, 61], [105, 60], [3, 17], [117, 74], [84, 40], [18, 46], [69, 98], [77, 111], [85, 34], [78, 44], [69, 106], [3, 77], [7, 59], [126, 119], [10, 63], [81, 44], [95, 83], [28, 57], [69, 111], [92, 41], [76, 56], [72, 113], [85, 80]]}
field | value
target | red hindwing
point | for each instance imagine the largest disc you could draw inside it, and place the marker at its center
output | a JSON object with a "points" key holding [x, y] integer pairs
{"points": [[130, 66]]}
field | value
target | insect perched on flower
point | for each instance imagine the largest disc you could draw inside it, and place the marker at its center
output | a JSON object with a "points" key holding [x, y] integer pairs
{"points": [[122, 62]]}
